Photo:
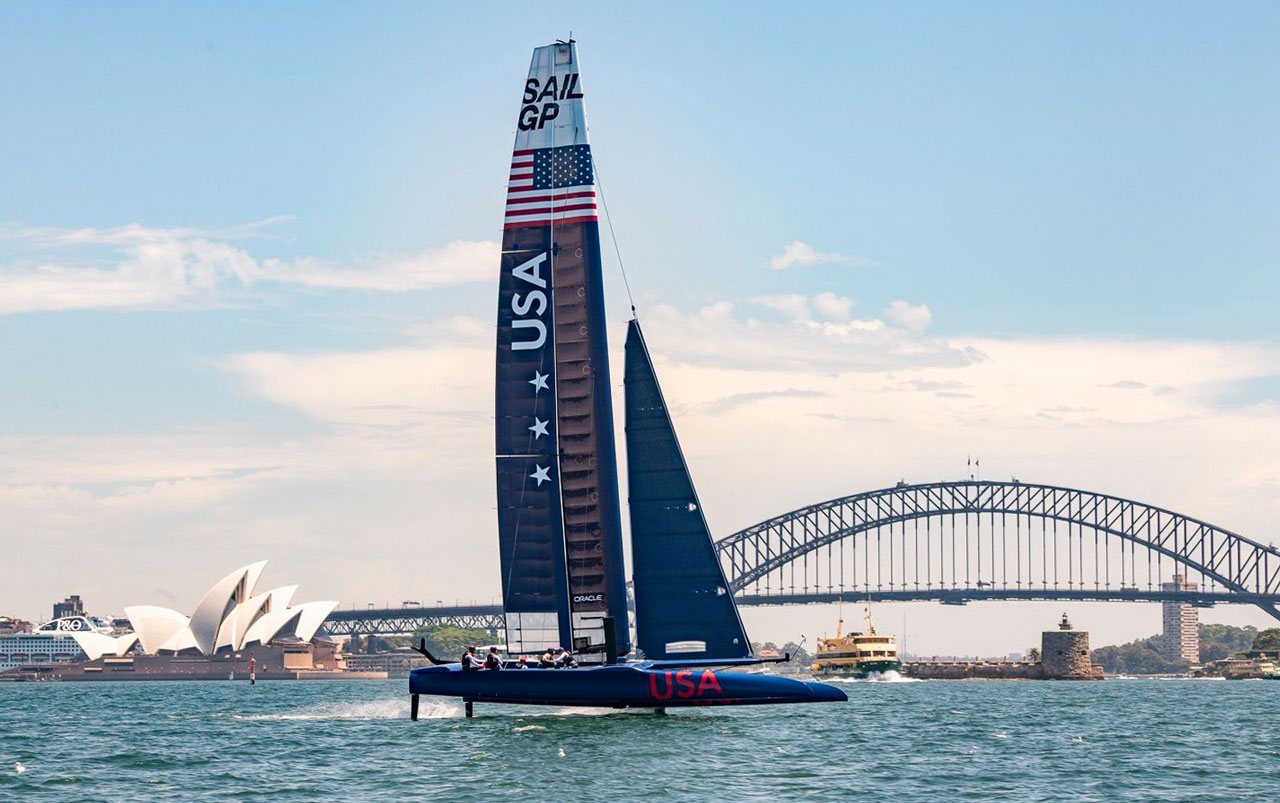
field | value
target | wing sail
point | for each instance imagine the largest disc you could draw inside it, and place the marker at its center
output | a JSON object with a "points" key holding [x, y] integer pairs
{"points": [[684, 608], [558, 509]]}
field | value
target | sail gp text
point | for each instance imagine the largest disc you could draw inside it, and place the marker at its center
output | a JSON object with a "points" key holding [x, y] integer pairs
{"points": [[680, 684], [542, 101]]}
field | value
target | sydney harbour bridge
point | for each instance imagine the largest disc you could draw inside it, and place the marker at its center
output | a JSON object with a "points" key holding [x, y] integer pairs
{"points": [[955, 543]]}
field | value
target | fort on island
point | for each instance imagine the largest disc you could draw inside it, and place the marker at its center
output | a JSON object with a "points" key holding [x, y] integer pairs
{"points": [[1064, 655]]}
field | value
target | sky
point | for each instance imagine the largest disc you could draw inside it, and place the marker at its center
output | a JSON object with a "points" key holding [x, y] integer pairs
{"points": [[248, 258]]}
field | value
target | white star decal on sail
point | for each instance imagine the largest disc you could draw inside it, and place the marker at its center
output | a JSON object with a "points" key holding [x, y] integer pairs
{"points": [[540, 475], [539, 381], [539, 427]]}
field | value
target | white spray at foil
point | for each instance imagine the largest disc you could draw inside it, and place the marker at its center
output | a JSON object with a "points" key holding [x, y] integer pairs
{"points": [[429, 708]]}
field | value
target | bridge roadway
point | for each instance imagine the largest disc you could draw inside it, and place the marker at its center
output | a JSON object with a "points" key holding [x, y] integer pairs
{"points": [[403, 621], [957, 542], [962, 596], [406, 619]]}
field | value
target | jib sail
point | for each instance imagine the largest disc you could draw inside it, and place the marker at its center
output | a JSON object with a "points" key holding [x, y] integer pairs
{"points": [[684, 608], [558, 515]]}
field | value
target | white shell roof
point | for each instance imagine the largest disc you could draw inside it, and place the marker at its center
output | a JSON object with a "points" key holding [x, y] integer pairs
{"points": [[155, 625], [313, 615], [219, 601], [229, 615], [96, 645], [276, 615], [273, 625]]}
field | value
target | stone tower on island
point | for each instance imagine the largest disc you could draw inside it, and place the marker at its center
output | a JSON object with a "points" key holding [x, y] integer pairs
{"points": [[1064, 653]]}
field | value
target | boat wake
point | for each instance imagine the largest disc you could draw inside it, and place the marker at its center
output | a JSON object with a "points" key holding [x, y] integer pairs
{"points": [[429, 708], [874, 677]]}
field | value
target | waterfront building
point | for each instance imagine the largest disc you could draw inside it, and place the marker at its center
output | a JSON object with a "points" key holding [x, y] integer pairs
{"points": [[393, 664], [10, 625], [231, 624], [231, 616], [71, 606], [1180, 640]]}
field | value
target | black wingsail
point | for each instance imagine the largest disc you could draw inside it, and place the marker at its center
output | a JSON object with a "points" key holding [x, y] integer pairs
{"points": [[559, 524], [684, 608]]}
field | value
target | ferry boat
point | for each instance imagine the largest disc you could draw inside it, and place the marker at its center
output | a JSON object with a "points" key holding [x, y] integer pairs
{"points": [[857, 655], [1260, 668]]}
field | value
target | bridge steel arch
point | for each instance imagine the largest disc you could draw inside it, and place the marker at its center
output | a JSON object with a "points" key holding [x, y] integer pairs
{"points": [[406, 619], [976, 539]]}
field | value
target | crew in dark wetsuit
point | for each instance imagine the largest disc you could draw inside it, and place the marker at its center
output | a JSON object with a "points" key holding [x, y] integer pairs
{"points": [[548, 659], [493, 661], [469, 660]]}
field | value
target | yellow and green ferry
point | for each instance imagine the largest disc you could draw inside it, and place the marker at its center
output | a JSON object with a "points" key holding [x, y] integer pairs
{"points": [[857, 655]]}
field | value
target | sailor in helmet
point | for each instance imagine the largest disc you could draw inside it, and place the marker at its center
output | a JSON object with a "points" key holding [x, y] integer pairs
{"points": [[565, 660], [469, 660], [548, 659]]}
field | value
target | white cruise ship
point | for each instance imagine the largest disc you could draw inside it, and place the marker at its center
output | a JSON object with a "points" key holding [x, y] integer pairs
{"points": [[53, 642]]}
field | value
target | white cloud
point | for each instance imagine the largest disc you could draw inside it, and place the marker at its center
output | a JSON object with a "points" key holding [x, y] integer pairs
{"points": [[713, 336], [856, 409], [799, 253], [826, 305], [833, 307], [914, 318], [135, 233], [151, 268], [794, 306], [383, 388], [459, 262], [396, 445]]}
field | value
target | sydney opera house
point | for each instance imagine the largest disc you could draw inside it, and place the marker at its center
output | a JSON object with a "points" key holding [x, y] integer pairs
{"points": [[233, 625]]}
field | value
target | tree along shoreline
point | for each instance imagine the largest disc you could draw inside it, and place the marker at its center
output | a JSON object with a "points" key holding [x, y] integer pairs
{"points": [[1145, 657]]}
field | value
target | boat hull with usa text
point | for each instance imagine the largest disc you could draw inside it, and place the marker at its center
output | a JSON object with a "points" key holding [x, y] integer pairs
{"points": [[621, 686]]}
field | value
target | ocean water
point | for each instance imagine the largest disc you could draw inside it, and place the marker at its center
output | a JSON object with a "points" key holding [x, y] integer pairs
{"points": [[1142, 740]]}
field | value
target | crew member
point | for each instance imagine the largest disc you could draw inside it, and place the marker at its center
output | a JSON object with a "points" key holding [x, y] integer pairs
{"points": [[565, 660], [524, 664], [493, 661], [469, 660], [548, 659]]}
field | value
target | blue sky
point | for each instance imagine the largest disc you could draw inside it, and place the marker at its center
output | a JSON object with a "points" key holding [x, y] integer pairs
{"points": [[274, 182], [1068, 158]]}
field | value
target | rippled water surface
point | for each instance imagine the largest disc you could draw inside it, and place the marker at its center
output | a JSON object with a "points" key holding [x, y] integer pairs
{"points": [[1154, 740]]}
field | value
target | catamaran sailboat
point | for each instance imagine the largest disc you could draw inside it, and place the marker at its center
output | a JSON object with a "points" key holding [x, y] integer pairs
{"points": [[559, 520]]}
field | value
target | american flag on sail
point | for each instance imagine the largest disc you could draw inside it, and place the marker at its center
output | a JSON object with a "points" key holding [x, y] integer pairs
{"points": [[551, 185]]}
